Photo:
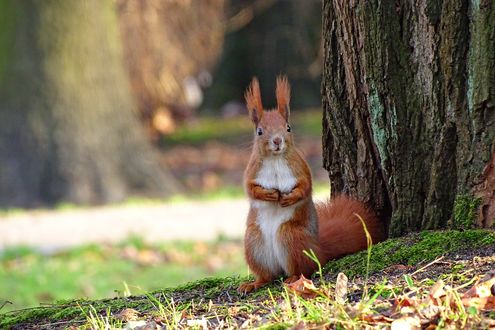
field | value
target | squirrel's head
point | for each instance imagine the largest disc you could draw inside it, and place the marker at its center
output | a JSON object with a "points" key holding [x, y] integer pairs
{"points": [[272, 130]]}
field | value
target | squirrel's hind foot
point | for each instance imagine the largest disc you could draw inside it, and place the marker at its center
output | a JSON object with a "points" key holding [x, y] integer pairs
{"points": [[247, 287]]}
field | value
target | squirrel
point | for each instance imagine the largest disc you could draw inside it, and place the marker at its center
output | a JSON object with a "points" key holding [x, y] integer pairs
{"points": [[283, 221]]}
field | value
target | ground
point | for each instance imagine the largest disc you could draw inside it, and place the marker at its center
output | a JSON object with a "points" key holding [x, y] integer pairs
{"points": [[431, 265]]}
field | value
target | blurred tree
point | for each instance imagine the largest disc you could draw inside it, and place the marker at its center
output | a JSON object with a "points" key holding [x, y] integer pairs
{"points": [[265, 38], [170, 47], [409, 109], [68, 127]]}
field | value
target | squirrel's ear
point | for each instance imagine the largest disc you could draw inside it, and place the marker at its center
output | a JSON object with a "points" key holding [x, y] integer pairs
{"points": [[253, 101], [283, 96]]}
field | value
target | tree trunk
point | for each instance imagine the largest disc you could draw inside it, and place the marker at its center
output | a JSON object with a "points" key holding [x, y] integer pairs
{"points": [[409, 109], [68, 129]]}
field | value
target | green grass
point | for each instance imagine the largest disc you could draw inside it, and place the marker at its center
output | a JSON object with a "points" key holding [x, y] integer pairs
{"points": [[236, 129], [28, 278]]}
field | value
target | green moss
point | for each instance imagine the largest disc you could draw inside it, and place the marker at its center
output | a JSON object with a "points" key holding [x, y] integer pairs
{"points": [[412, 249], [465, 212]]}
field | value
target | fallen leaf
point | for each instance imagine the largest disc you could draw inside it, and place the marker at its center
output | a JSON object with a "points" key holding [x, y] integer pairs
{"points": [[132, 325], [481, 303], [373, 318], [437, 292], [341, 288], [304, 288], [404, 301], [406, 323], [484, 288], [198, 323], [127, 314]]}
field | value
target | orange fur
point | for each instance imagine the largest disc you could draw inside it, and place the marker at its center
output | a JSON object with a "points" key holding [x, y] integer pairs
{"points": [[341, 232], [253, 101], [330, 229], [283, 96]]}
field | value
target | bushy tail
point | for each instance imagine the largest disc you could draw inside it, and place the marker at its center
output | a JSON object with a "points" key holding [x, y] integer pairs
{"points": [[341, 232]]}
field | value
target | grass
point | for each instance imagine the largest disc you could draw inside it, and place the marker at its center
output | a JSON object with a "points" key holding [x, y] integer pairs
{"points": [[237, 128], [28, 278], [214, 302]]}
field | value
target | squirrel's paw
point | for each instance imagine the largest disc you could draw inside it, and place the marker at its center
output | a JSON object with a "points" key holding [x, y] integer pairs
{"points": [[288, 199], [291, 279], [247, 287], [270, 195]]}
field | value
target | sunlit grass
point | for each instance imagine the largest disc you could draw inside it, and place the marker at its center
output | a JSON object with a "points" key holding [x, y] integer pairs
{"points": [[28, 277], [205, 129]]}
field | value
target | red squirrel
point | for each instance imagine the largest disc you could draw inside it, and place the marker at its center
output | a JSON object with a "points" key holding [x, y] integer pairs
{"points": [[283, 221]]}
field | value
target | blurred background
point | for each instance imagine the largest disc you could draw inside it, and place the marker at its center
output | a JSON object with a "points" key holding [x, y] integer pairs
{"points": [[124, 137]]}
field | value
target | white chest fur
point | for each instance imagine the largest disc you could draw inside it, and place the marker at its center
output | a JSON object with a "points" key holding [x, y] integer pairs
{"points": [[274, 173]]}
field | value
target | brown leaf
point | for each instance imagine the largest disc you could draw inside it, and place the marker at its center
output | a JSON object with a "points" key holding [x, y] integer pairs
{"points": [[406, 323], [404, 301], [304, 288], [484, 288], [436, 294], [341, 288], [481, 303], [373, 318], [127, 314]]}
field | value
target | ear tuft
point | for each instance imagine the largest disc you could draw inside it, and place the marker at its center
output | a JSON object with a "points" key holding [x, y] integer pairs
{"points": [[283, 96], [253, 101]]}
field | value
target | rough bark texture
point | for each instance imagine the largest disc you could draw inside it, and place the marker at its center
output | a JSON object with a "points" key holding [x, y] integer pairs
{"points": [[409, 107], [68, 131]]}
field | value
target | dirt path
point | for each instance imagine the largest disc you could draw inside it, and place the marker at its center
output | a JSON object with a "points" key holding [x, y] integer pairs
{"points": [[49, 230]]}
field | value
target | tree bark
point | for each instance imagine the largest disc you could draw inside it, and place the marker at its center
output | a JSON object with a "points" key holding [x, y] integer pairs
{"points": [[68, 129], [409, 107]]}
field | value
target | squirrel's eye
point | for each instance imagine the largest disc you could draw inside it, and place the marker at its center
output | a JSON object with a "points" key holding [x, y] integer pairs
{"points": [[259, 131], [288, 128]]}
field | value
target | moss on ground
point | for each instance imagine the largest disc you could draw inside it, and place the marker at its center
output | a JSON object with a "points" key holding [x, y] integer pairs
{"points": [[409, 250], [412, 249]]}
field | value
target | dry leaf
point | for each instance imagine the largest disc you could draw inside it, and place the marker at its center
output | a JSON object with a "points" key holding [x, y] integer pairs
{"points": [[127, 314], [484, 288], [341, 288], [437, 290], [198, 323], [484, 303], [402, 302], [370, 318], [304, 287], [406, 323]]}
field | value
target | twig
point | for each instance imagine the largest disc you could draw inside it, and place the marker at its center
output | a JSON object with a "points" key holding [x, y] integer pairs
{"points": [[428, 265]]}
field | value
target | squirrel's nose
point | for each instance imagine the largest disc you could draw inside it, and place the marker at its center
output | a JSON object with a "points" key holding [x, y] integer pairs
{"points": [[277, 141]]}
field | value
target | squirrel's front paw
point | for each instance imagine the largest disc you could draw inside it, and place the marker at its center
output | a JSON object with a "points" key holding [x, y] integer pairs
{"points": [[288, 199], [270, 195]]}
